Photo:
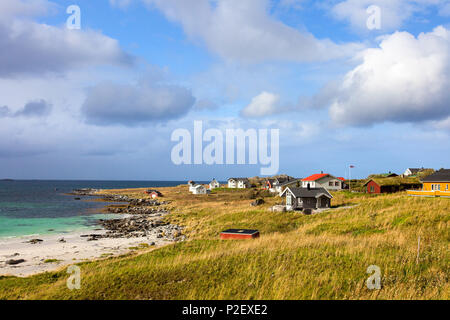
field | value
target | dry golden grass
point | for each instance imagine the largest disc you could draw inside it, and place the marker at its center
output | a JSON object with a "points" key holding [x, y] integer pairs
{"points": [[322, 256]]}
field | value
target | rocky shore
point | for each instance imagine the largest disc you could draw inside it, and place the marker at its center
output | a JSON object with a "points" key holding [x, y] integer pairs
{"points": [[141, 218], [141, 224]]}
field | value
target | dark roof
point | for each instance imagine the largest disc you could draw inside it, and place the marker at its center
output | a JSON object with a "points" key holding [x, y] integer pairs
{"points": [[309, 193], [289, 182], [240, 231], [152, 190], [282, 180], [442, 175]]}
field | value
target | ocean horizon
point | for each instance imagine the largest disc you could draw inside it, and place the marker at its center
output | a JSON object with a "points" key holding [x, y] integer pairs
{"points": [[42, 207]]}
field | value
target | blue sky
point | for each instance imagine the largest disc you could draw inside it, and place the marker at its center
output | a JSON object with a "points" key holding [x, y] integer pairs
{"points": [[102, 102]]}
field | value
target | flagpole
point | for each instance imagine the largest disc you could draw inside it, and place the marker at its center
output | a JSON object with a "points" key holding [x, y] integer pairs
{"points": [[350, 178]]}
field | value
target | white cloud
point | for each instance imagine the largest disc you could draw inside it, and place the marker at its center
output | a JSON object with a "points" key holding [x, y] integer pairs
{"points": [[244, 31], [393, 12], [36, 48], [262, 105], [442, 124], [406, 79]]}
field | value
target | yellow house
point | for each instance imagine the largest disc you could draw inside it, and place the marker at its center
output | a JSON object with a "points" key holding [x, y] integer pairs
{"points": [[435, 185]]}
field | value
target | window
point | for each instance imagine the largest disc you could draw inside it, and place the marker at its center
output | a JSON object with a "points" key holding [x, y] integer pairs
{"points": [[432, 187], [336, 183], [372, 189], [289, 200], [446, 188], [330, 183]]}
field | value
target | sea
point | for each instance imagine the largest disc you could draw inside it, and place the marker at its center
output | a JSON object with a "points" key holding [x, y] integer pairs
{"points": [[42, 207]]}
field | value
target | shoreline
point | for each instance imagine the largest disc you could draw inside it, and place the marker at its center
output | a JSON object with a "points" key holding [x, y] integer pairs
{"points": [[137, 225]]}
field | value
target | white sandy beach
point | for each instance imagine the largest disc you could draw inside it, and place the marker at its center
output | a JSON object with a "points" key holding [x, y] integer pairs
{"points": [[75, 249]]}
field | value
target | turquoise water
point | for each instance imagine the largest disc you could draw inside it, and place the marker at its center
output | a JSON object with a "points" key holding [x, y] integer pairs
{"points": [[12, 227], [33, 207]]}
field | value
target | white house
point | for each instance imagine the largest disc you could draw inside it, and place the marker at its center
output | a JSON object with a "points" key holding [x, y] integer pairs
{"points": [[413, 171], [199, 189], [279, 184], [240, 183], [191, 185], [214, 184], [323, 180]]}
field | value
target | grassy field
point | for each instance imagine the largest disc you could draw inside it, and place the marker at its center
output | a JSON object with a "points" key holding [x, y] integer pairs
{"points": [[323, 256]]}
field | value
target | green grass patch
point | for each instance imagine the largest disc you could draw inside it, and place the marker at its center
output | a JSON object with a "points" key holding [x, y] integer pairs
{"points": [[52, 261]]}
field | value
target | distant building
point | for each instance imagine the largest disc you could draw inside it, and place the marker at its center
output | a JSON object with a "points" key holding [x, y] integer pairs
{"points": [[415, 171], [343, 183], [214, 184], [391, 184], [291, 182], [191, 185], [239, 183], [307, 198], [388, 175], [199, 189], [273, 184], [154, 193], [270, 185], [323, 180]]}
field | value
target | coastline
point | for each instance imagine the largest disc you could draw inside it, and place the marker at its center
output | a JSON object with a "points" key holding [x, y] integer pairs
{"points": [[76, 249], [137, 225]]}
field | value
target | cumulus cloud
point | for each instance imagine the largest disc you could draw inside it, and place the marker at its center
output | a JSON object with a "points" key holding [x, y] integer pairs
{"points": [[262, 105], [244, 31], [393, 12], [34, 48], [406, 79], [39, 108], [109, 103]]}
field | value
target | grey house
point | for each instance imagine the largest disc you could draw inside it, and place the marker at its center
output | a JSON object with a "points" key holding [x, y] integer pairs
{"points": [[307, 198]]}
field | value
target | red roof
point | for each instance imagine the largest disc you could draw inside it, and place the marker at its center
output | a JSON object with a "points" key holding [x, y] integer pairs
{"points": [[316, 176], [342, 179]]}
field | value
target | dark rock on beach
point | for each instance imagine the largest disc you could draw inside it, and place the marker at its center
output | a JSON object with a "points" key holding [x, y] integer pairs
{"points": [[145, 218], [140, 226], [34, 241], [13, 262]]}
